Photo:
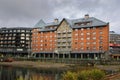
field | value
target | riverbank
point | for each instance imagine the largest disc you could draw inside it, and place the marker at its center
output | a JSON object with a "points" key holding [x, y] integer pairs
{"points": [[36, 64]]}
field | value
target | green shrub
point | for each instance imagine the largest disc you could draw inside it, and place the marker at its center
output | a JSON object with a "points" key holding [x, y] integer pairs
{"points": [[94, 74], [69, 76], [83, 75], [97, 74]]}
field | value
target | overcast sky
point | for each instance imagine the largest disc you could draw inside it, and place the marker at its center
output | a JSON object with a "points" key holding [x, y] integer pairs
{"points": [[26, 13]]}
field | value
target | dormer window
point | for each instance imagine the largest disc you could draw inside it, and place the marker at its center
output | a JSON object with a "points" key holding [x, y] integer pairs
{"points": [[51, 27], [83, 23]]}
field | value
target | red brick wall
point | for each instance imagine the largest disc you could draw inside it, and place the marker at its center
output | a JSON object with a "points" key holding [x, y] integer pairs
{"points": [[90, 33], [45, 41]]}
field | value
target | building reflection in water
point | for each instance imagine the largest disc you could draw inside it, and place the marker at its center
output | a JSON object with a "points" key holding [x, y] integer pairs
{"points": [[14, 73]]}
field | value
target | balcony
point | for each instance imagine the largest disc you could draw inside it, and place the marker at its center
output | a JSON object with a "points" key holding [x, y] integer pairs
{"points": [[64, 50], [87, 51], [61, 40], [64, 45]]}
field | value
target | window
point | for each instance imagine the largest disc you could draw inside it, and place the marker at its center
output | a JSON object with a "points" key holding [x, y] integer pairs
{"points": [[94, 38], [22, 30], [41, 40], [76, 38], [76, 48], [94, 48], [100, 28], [18, 30], [88, 23], [88, 33], [100, 42], [27, 34], [41, 36], [94, 42], [75, 42], [21, 42], [22, 34], [82, 43], [50, 40], [14, 34], [88, 28], [88, 48], [76, 29], [45, 40], [22, 37], [76, 34], [88, 38], [94, 33], [50, 36], [94, 28], [101, 32], [41, 45], [100, 47], [10, 30], [82, 48], [101, 37], [55, 35], [27, 31], [82, 34], [82, 29], [88, 43], [27, 38], [41, 48], [82, 38]]}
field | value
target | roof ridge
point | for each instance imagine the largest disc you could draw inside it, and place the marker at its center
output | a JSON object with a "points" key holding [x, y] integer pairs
{"points": [[98, 19], [40, 23]]}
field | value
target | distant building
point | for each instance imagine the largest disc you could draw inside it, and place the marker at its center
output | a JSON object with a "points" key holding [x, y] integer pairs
{"points": [[84, 38], [114, 45], [15, 41]]}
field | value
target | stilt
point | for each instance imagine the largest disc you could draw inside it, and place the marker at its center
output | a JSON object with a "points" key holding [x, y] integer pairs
{"points": [[44, 55], [69, 56], [63, 55], [53, 55], [81, 56], [75, 56], [94, 56]]}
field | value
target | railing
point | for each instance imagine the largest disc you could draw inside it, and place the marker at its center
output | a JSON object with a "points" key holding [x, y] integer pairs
{"points": [[89, 51]]}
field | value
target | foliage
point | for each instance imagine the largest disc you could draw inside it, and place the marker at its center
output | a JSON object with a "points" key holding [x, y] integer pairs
{"points": [[97, 74], [83, 75], [69, 76], [94, 74]]}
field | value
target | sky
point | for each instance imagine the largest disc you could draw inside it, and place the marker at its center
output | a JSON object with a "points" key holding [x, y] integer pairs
{"points": [[26, 13]]}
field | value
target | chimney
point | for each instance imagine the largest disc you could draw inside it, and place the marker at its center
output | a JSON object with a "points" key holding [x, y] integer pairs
{"points": [[86, 16], [56, 20]]}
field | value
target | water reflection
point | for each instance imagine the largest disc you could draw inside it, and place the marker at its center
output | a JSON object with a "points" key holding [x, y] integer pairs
{"points": [[15, 73]]}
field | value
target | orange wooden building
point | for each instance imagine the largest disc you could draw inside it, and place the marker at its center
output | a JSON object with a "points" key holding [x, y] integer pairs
{"points": [[84, 38]]}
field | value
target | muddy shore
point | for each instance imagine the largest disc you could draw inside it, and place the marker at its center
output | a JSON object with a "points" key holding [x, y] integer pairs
{"points": [[36, 64], [47, 65]]}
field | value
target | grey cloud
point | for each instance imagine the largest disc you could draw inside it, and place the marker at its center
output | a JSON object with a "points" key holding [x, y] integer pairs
{"points": [[28, 12]]}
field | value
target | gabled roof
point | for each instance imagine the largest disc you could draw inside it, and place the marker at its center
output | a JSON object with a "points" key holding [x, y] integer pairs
{"points": [[40, 24], [52, 24], [94, 22]]}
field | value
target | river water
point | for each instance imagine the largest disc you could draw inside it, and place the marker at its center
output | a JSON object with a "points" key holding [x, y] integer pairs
{"points": [[17, 73]]}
